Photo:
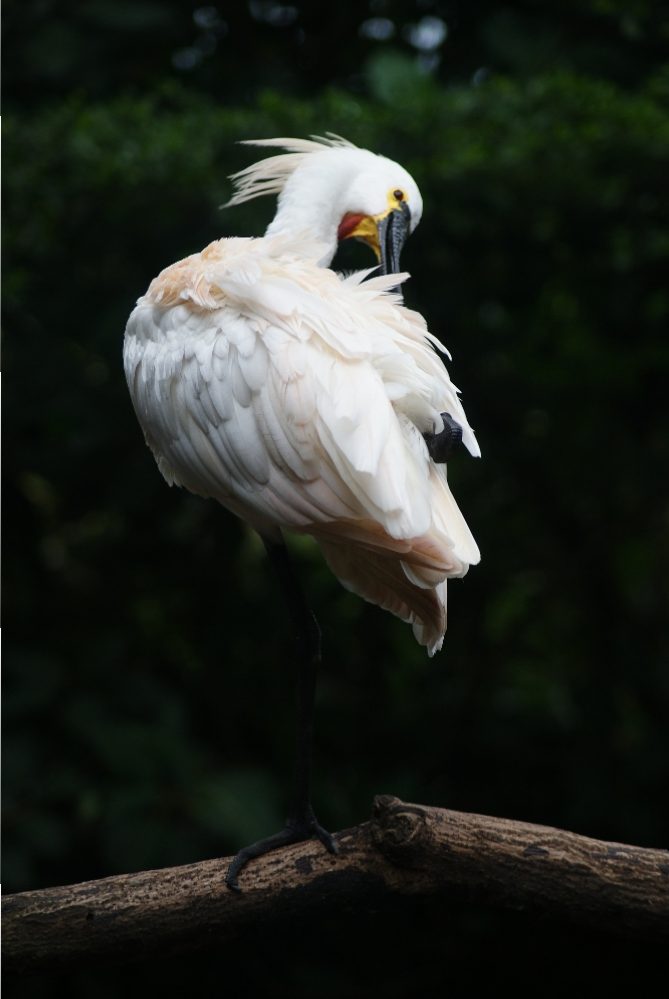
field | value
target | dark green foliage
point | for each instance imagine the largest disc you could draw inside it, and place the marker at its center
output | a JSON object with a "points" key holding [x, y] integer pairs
{"points": [[148, 695]]}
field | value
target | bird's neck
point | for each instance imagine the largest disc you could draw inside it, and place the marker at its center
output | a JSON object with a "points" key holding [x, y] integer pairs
{"points": [[309, 209], [307, 225]]}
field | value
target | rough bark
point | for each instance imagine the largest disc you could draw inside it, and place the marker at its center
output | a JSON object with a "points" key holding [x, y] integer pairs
{"points": [[405, 849]]}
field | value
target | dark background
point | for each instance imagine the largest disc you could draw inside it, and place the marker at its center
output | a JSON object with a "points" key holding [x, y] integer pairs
{"points": [[148, 688]]}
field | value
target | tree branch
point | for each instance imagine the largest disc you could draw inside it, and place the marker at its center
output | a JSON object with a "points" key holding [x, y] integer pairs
{"points": [[405, 849]]}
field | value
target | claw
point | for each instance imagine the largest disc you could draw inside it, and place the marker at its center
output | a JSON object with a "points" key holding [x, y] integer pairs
{"points": [[295, 831], [326, 838]]}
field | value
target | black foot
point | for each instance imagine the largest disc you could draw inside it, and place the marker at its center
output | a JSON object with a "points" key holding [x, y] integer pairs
{"points": [[295, 831], [440, 446]]}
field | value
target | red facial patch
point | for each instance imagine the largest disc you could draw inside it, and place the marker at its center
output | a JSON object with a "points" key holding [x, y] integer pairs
{"points": [[349, 222]]}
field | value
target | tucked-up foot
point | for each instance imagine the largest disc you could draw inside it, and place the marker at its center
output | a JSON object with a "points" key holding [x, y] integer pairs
{"points": [[440, 446], [295, 831]]}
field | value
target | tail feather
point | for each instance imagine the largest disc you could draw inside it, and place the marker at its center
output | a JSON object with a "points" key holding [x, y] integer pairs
{"points": [[381, 578], [430, 556]]}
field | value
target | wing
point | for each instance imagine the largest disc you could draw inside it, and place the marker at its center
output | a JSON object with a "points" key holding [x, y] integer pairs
{"points": [[299, 401]]}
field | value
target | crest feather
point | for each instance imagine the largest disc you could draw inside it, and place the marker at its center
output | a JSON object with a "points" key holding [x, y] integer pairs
{"points": [[269, 176]]}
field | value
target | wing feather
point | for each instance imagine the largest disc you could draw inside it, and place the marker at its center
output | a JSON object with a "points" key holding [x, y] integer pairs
{"points": [[300, 400]]}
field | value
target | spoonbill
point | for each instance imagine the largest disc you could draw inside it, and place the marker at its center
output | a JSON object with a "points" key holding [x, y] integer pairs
{"points": [[305, 401]]}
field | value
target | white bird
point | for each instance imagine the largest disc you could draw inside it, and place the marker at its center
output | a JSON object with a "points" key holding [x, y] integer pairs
{"points": [[308, 402]]}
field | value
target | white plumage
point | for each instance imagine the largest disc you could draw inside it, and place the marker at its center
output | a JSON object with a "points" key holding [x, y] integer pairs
{"points": [[299, 399]]}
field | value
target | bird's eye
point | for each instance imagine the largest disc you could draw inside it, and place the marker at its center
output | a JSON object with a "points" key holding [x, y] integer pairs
{"points": [[398, 195]]}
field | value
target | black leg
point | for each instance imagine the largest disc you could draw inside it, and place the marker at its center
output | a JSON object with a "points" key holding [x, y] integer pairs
{"points": [[302, 823], [440, 446]]}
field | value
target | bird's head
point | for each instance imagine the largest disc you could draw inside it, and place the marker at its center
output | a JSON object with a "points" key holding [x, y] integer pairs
{"points": [[381, 207], [335, 191]]}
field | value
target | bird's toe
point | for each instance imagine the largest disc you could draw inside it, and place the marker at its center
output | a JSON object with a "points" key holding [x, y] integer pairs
{"points": [[326, 838]]}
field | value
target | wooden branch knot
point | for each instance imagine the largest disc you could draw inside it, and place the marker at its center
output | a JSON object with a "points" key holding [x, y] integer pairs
{"points": [[399, 830]]}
